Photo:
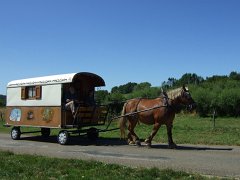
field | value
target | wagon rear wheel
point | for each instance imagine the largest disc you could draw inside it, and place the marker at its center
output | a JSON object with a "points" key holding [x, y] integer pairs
{"points": [[92, 134], [45, 132], [63, 137], [15, 133]]}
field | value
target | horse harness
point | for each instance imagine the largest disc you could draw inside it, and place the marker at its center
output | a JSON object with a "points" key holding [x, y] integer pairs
{"points": [[165, 104]]}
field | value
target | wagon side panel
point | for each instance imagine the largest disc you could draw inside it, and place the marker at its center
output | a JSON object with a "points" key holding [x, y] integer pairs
{"points": [[42, 111], [34, 116]]}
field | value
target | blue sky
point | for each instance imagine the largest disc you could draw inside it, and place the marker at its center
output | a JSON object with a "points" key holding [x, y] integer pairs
{"points": [[120, 40]]}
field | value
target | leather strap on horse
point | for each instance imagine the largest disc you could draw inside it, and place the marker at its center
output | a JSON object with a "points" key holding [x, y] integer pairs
{"points": [[137, 105], [171, 106]]}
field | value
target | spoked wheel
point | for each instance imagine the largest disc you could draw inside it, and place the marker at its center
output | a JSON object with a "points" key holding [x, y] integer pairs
{"points": [[15, 133], [45, 132], [63, 137], [92, 134]]}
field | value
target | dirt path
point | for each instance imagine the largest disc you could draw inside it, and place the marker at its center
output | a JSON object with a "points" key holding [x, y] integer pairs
{"points": [[203, 159]]}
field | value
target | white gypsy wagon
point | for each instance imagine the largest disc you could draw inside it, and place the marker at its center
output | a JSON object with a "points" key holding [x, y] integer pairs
{"points": [[38, 102]]}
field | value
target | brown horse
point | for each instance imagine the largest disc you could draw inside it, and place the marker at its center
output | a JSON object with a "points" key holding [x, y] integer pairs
{"points": [[162, 111]]}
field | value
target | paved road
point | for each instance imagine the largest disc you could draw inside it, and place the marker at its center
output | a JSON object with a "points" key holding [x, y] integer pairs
{"points": [[203, 159]]}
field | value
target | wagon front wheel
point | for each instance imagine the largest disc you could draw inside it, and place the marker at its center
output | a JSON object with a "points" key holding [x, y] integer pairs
{"points": [[15, 133], [63, 137]]}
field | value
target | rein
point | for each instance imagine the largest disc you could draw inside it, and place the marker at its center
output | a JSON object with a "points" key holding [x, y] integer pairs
{"points": [[133, 113]]}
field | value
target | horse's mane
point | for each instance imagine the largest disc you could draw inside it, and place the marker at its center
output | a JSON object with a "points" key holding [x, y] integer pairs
{"points": [[175, 93]]}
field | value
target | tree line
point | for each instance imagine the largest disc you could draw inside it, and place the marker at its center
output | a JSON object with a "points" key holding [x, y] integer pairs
{"points": [[217, 93], [2, 100]]}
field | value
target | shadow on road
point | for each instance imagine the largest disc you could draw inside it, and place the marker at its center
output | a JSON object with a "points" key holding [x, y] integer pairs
{"points": [[84, 141], [78, 140], [181, 147]]}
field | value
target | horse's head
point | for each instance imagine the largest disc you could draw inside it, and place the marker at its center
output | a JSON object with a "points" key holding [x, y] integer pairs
{"points": [[186, 99]]}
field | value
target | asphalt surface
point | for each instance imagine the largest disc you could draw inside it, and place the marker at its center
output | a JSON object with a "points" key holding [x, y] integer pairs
{"points": [[223, 161]]}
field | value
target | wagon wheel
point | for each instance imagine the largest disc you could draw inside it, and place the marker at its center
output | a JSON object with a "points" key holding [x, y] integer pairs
{"points": [[15, 133], [45, 132], [63, 137], [92, 134]]}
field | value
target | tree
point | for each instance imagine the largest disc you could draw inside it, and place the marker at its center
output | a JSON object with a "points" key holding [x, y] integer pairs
{"points": [[170, 83], [151, 92], [141, 86], [216, 78], [234, 75], [116, 97], [189, 78], [116, 101], [1, 103], [2, 100], [100, 96], [124, 89], [115, 89]]}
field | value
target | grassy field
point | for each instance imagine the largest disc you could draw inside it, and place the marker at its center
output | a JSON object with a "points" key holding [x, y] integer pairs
{"points": [[193, 130], [38, 167], [187, 129]]}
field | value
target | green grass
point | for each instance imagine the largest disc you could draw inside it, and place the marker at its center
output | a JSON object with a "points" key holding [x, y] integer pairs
{"points": [[188, 129], [37, 167], [195, 130]]}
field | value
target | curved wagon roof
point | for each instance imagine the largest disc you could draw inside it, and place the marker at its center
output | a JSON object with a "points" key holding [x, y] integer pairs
{"points": [[58, 79]]}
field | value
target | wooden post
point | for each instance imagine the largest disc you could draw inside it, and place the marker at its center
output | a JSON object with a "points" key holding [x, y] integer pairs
{"points": [[1, 116], [214, 118]]}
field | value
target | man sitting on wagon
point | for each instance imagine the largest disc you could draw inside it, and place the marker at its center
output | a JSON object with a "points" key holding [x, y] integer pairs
{"points": [[71, 99]]}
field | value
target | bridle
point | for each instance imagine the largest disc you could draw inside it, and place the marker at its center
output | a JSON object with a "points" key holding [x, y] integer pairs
{"points": [[175, 107]]}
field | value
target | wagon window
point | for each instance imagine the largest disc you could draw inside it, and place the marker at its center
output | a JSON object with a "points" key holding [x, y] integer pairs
{"points": [[31, 92]]}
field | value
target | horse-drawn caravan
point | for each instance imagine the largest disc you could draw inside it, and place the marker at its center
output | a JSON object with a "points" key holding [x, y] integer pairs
{"points": [[47, 102], [40, 102]]}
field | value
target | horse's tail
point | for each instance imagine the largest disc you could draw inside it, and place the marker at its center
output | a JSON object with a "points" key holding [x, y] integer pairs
{"points": [[123, 122]]}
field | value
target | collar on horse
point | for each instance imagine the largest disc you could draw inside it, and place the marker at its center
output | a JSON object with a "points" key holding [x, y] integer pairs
{"points": [[167, 102]]}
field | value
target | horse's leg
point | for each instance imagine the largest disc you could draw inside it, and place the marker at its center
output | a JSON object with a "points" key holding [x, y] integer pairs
{"points": [[132, 137], [171, 144], [156, 127], [129, 136]]}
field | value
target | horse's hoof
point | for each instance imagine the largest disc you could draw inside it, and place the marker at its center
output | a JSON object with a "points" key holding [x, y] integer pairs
{"points": [[149, 145], [138, 143], [131, 143], [172, 146], [147, 141]]}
